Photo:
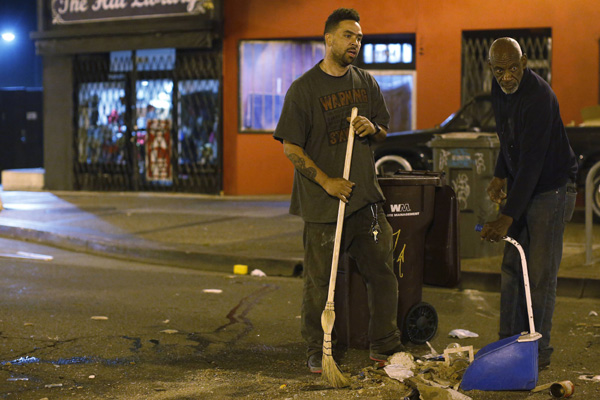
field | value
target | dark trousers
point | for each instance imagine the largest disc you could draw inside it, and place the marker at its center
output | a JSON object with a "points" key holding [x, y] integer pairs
{"points": [[540, 233], [375, 264]]}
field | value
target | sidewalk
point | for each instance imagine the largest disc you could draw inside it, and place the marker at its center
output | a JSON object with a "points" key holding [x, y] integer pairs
{"points": [[217, 232]]}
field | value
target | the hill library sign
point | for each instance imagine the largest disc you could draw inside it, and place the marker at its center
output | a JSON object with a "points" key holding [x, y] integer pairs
{"points": [[80, 11]]}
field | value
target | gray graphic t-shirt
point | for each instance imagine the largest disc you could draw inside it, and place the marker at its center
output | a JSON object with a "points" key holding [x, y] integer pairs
{"points": [[314, 117]]}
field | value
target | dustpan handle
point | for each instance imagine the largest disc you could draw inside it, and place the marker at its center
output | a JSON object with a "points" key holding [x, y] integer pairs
{"points": [[512, 241], [525, 281]]}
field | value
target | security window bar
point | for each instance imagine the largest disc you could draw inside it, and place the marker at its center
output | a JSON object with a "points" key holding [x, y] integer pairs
{"points": [[148, 120], [476, 74]]}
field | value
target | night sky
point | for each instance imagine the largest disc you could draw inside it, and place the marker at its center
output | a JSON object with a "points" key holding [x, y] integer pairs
{"points": [[19, 65]]}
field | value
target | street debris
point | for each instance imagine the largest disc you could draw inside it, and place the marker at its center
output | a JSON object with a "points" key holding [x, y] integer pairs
{"points": [[215, 291], [99, 318], [92, 377], [455, 352], [170, 331], [166, 321], [53, 385], [35, 256], [240, 269], [258, 273], [27, 256], [593, 378], [439, 393], [27, 324], [462, 334], [17, 379], [400, 366], [593, 314]]}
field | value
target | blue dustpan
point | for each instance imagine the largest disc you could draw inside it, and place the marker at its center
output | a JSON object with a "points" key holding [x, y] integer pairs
{"points": [[504, 365], [511, 363]]}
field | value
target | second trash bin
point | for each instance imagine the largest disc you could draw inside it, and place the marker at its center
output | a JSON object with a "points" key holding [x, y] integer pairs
{"points": [[469, 160]]}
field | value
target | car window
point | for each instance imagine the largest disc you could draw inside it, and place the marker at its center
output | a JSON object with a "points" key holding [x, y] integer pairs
{"points": [[475, 116]]}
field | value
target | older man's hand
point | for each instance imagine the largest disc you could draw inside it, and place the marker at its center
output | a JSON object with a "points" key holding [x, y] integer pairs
{"points": [[494, 231], [495, 190]]}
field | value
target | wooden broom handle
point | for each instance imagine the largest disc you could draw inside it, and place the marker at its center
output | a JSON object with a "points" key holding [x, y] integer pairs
{"points": [[341, 211]]}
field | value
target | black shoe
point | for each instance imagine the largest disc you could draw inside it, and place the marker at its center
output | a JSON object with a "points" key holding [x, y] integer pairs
{"points": [[382, 356], [315, 363], [543, 364]]}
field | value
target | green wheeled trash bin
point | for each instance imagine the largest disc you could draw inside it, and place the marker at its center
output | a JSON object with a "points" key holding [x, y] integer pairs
{"points": [[469, 160]]}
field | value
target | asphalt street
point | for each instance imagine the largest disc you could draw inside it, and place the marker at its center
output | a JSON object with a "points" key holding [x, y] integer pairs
{"points": [[79, 326]]}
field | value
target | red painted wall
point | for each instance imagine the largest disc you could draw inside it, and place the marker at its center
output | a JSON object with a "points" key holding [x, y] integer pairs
{"points": [[255, 164]]}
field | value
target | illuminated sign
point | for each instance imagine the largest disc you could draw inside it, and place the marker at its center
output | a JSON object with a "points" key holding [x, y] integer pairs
{"points": [[78, 11]]}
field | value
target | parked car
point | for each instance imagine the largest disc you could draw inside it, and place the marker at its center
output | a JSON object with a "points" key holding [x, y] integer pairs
{"points": [[409, 151]]}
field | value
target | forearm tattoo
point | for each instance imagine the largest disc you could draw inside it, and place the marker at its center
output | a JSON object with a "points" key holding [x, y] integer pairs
{"points": [[300, 164]]}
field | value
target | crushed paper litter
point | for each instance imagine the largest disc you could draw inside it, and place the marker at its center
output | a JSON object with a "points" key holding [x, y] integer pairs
{"points": [[462, 334]]}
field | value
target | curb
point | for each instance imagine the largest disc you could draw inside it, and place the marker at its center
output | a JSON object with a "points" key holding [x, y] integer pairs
{"points": [[151, 253], [156, 254]]}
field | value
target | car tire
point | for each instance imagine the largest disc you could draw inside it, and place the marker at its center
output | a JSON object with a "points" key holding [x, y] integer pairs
{"points": [[388, 165]]}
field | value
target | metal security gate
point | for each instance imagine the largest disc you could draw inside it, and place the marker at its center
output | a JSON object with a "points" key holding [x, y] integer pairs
{"points": [[476, 75], [148, 120]]}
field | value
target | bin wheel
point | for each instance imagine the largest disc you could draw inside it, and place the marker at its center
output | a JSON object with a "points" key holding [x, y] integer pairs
{"points": [[420, 323]]}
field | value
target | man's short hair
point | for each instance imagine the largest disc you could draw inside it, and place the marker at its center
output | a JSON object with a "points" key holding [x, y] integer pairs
{"points": [[339, 15]]}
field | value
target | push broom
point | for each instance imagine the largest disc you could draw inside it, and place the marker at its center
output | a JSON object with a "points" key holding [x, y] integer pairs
{"points": [[331, 371]]}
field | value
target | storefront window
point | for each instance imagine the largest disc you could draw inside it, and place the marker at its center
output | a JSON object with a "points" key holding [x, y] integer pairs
{"points": [[198, 122], [149, 119], [399, 91], [267, 69], [153, 128], [101, 128]]}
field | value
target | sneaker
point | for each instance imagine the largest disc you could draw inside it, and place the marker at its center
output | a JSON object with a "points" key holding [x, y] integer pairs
{"points": [[315, 363], [382, 356]]}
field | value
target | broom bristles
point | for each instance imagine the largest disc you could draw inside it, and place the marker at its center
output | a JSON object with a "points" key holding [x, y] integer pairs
{"points": [[331, 371]]}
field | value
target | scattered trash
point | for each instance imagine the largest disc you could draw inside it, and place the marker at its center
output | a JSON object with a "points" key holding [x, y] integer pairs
{"points": [[593, 378], [169, 331], [27, 256], [283, 386], [434, 355], [593, 314], [35, 256], [257, 272], [53, 385], [400, 366], [398, 372], [22, 361], [462, 334], [240, 269], [27, 324], [216, 291], [166, 321], [99, 318], [438, 393], [562, 389], [17, 379], [455, 352], [92, 377]]}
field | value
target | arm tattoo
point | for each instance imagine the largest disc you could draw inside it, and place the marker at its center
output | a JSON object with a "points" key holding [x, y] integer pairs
{"points": [[300, 165]]}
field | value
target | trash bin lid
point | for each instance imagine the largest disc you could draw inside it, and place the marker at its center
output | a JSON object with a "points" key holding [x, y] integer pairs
{"points": [[464, 139], [414, 178]]}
